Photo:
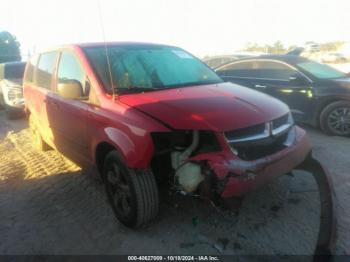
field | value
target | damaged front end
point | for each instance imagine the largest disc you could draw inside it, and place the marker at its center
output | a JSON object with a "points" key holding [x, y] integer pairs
{"points": [[230, 164]]}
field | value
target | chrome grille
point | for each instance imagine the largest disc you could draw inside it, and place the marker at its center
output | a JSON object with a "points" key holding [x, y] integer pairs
{"points": [[265, 131], [262, 139]]}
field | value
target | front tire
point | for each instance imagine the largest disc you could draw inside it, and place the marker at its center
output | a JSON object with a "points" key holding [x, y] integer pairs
{"points": [[335, 118], [132, 194]]}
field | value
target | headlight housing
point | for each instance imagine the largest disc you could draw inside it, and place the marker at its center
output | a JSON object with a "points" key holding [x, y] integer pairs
{"points": [[14, 94]]}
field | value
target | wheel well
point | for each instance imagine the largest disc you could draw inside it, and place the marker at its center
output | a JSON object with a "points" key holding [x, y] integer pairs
{"points": [[101, 152], [324, 104]]}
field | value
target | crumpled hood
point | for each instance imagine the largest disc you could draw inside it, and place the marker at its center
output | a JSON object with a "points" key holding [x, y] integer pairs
{"points": [[220, 107]]}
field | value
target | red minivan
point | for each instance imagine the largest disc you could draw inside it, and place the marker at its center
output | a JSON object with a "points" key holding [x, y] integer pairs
{"points": [[141, 113]]}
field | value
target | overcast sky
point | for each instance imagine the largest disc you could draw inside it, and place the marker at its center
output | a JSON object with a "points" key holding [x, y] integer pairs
{"points": [[200, 26]]}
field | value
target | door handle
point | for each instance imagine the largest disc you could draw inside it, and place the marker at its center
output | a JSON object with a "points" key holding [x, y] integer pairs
{"points": [[260, 86]]}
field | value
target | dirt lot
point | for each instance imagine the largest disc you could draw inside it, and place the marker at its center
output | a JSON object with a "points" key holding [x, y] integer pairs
{"points": [[49, 206]]}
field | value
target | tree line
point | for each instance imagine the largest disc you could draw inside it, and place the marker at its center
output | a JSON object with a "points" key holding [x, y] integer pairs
{"points": [[279, 48], [9, 48]]}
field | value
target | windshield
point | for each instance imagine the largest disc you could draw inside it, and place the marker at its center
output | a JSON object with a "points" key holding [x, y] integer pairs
{"points": [[321, 71], [145, 68]]}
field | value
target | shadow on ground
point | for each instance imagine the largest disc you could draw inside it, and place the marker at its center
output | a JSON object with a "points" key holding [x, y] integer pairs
{"points": [[49, 206]]}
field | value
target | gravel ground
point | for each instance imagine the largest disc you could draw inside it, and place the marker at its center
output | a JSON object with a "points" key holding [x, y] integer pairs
{"points": [[48, 205]]}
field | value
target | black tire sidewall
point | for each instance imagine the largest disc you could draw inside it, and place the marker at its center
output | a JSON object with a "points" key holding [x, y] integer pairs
{"points": [[115, 158], [325, 114], [10, 113]]}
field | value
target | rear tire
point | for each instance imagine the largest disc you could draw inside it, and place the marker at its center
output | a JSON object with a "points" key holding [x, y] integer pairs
{"points": [[38, 141], [132, 194], [335, 118]]}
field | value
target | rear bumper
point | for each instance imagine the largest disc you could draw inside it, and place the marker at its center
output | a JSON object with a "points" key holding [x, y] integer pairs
{"points": [[244, 176]]}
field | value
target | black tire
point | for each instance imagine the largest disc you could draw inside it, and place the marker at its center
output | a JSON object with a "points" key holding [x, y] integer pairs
{"points": [[2, 102], [132, 194], [38, 141], [11, 114], [335, 118]]}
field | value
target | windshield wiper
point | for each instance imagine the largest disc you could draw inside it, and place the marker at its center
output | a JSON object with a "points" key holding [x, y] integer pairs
{"points": [[136, 89], [198, 83]]}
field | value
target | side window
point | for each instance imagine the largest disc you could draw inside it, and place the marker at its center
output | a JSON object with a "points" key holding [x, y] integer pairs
{"points": [[69, 69], [239, 69], [31, 64], [45, 69], [273, 70]]}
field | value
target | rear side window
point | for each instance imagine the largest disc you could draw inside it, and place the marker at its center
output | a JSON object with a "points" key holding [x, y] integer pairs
{"points": [[45, 69], [240, 69], [274, 70], [31, 64]]}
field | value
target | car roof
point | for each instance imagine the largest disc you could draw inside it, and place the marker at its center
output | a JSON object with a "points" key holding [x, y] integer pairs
{"points": [[102, 44], [291, 59]]}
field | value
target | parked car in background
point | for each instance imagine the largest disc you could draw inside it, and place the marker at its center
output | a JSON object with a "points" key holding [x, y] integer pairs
{"points": [[156, 113], [11, 92], [312, 47], [216, 61], [317, 94], [333, 57]]}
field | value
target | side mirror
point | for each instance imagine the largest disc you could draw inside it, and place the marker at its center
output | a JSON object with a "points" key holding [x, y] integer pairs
{"points": [[70, 89], [298, 79]]}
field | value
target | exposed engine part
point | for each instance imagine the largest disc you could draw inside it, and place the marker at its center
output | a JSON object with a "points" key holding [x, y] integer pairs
{"points": [[179, 158], [187, 174], [189, 177]]}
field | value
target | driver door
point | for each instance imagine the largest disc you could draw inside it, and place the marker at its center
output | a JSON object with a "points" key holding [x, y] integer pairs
{"points": [[69, 116]]}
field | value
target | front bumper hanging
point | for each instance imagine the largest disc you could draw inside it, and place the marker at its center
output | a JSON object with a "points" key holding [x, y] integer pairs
{"points": [[327, 230]]}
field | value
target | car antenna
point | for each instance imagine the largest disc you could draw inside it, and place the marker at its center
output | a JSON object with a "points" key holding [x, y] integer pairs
{"points": [[106, 51]]}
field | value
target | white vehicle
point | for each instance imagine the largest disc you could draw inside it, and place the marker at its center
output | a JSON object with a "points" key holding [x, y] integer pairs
{"points": [[11, 91], [312, 47]]}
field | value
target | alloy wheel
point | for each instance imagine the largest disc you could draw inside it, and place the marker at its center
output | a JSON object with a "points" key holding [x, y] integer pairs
{"points": [[118, 190], [339, 120]]}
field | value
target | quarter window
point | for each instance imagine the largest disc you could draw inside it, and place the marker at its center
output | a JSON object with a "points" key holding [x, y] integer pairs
{"points": [[45, 69]]}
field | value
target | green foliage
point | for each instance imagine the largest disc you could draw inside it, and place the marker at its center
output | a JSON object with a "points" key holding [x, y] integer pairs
{"points": [[276, 48], [279, 48], [254, 47], [9, 48]]}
